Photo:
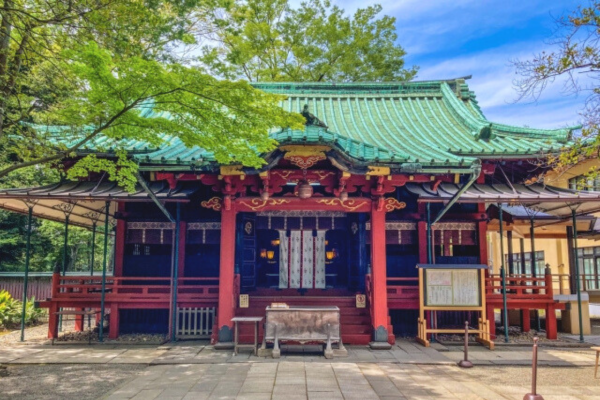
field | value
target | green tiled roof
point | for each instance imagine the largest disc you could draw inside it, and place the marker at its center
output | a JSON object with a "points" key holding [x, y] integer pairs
{"points": [[431, 123]]}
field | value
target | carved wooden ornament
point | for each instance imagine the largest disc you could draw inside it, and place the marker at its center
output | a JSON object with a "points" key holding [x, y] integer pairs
{"points": [[305, 156], [214, 203]]}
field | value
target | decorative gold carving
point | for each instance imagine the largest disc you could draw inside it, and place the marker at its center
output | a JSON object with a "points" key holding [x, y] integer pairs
{"points": [[257, 204], [378, 171], [392, 204], [232, 170], [305, 156], [349, 205], [248, 228], [283, 174], [305, 162], [215, 203], [323, 174]]}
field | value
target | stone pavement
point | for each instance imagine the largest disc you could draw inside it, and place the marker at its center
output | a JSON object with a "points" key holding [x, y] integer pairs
{"points": [[404, 352], [194, 370], [591, 339], [287, 380]]}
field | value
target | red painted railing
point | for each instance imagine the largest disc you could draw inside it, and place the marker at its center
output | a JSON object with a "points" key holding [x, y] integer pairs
{"points": [[520, 287], [398, 289], [86, 288]]}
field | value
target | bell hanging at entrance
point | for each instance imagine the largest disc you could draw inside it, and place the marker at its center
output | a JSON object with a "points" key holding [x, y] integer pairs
{"points": [[305, 190]]}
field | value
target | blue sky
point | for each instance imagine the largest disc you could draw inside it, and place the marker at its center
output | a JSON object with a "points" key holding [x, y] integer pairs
{"points": [[448, 39]]}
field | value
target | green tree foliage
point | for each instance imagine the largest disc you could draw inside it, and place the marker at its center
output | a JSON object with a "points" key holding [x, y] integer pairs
{"points": [[101, 68], [11, 309], [574, 60], [268, 40]]}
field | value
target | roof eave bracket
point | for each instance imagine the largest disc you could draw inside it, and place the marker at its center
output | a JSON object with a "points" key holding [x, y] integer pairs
{"points": [[476, 171]]}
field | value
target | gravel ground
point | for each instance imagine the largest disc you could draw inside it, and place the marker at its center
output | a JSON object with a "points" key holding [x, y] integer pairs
{"points": [[34, 335], [63, 382], [547, 376], [39, 334], [514, 336]]}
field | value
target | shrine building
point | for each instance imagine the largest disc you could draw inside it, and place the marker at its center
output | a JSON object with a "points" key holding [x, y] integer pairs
{"points": [[385, 177]]}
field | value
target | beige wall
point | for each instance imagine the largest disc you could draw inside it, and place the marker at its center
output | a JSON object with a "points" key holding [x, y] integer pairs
{"points": [[555, 253], [555, 250]]}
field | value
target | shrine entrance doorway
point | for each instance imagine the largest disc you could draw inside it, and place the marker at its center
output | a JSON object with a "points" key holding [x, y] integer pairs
{"points": [[304, 251]]}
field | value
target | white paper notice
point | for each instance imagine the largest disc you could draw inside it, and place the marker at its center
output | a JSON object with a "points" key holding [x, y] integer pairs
{"points": [[465, 287], [439, 277], [439, 295], [446, 287]]}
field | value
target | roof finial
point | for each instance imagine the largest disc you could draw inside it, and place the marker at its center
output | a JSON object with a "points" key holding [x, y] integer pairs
{"points": [[311, 119]]}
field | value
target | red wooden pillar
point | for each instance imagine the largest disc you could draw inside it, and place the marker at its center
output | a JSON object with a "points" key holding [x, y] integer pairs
{"points": [[225, 310], [551, 327], [482, 238], [379, 277], [525, 320], [113, 331], [120, 246], [181, 259], [79, 321]]}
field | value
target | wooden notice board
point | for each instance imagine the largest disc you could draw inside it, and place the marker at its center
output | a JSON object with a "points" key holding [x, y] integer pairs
{"points": [[452, 287]]}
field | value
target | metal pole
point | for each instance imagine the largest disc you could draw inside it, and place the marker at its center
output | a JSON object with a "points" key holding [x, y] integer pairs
{"points": [[92, 256], [430, 259], [93, 248], [533, 395], [503, 276], [577, 275], [429, 246], [465, 363], [65, 245], [175, 274], [26, 277], [522, 251], [64, 260], [533, 268], [103, 293]]}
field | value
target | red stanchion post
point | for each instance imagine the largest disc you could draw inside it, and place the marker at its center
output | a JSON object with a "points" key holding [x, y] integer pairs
{"points": [[465, 363], [533, 395]]}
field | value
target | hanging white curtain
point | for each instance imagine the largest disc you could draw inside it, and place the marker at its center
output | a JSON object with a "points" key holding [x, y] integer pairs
{"points": [[283, 260], [308, 257], [320, 260], [302, 260]]}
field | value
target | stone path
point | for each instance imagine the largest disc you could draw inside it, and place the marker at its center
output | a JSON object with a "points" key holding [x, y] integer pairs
{"points": [[404, 352], [195, 370], [287, 380], [592, 339]]}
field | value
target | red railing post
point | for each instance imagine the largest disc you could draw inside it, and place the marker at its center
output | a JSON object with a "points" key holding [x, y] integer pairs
{"points": [[55, 283]]}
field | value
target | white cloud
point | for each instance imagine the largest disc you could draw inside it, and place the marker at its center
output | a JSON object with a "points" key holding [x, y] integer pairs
{"points": [[492, 82]]}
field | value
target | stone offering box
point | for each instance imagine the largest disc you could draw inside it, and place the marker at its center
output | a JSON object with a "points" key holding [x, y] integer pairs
{"points": [[304, 325]]}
